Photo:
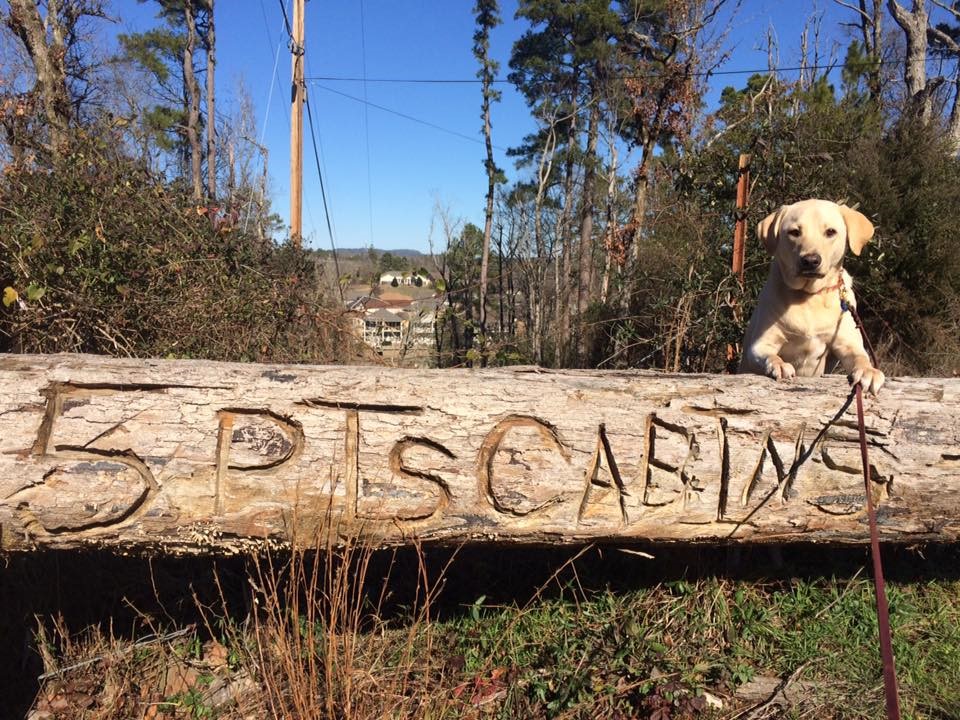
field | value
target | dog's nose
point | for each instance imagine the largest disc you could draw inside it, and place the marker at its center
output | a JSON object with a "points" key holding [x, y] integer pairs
{"points": [[810, 261]]}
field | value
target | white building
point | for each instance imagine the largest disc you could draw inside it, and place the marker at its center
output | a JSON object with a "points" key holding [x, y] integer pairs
{"points": [[394, 326], [405, 278]]}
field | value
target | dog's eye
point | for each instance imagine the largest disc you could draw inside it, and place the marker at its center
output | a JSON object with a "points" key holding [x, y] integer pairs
{"points": [[795, 232], [830, 232]]}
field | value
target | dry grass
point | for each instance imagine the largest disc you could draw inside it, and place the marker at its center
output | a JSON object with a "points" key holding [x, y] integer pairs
{"points": [[357, 633], [323, 650]]}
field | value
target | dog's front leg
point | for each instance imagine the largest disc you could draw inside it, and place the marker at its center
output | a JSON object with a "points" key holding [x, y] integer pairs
{"points": [[763, 358], [849, 350], [778, 368]]}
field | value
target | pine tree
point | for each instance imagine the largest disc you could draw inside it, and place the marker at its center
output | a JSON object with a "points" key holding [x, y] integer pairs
{"points": [[488, 17]]}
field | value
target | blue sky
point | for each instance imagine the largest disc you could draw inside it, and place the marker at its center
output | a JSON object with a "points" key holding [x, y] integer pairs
{"points": [[384, 173]]}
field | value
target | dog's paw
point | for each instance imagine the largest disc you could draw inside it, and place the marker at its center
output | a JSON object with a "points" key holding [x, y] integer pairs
{"points": [[779, 369], [869, 377]]}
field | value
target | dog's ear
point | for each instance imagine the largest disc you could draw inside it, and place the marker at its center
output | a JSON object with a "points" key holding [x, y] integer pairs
{"points": [[769, 228], [859, 228]]}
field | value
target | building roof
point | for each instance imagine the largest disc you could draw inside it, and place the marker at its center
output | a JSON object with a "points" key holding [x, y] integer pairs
{"points": [[395, 296], [375, 303], [384, 316], [427, 304]]}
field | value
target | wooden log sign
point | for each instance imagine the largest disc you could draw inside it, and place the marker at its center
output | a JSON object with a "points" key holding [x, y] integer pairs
{"points": [[217, 457]]}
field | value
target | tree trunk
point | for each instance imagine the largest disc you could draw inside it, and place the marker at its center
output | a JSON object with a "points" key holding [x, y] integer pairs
{"points": [[48, 64], [914, 26], [538, 261], [585, 284], [562, 291], [611, 228], [192, 90], [500, 278], [210, 44], [948, 43], [231, 172], [871, 30], [954, 127], [214, 457], [638, 219], [488, 218]]}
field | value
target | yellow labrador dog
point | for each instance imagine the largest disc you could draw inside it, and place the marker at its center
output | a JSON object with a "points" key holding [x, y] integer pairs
{"points": [[799, 319]]}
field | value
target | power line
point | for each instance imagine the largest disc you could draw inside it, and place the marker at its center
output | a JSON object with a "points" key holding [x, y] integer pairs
{"points": [[632, 76], [285, 26], [323, 194], [366, 118], [266, 112], [323, 163], [411, 118], [316, 154], [286, 20]]}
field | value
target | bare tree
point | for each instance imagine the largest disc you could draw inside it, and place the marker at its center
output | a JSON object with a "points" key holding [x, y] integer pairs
{"points": [[487, 18], [945, 40], [210, 48], [870, 24], [191, 89], [664, 89], [584, 287], [914, 26], [48, 41]]}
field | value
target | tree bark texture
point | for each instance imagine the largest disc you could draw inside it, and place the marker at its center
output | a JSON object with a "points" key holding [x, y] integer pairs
{"points": [[871, 30], [194, 456], [949, 44], [192, 89], [585, 281], [48, 63], [211, 48], [914, 26]]}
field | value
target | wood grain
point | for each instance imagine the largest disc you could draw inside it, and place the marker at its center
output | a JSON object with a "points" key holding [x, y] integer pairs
{"points": [[192, 456]]}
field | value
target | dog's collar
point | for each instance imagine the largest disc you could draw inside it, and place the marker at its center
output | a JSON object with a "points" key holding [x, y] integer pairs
{"points": [[830, 288], [839, 286]]}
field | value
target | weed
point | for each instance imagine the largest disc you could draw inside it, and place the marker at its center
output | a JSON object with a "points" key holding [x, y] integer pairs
{"points": [[356, 633]]}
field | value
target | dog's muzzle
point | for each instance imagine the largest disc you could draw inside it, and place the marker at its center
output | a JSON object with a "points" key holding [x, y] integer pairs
{"points": [[810, 264]]}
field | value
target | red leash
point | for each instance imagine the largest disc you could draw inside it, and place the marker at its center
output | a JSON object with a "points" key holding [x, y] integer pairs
{"points": [[883, 613]]}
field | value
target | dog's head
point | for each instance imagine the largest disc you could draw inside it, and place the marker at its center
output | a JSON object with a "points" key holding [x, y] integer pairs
{"points": [[808, 239]]}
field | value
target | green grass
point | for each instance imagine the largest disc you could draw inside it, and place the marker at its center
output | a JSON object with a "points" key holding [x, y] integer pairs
{"points": [[512, 635], [600, 655]]}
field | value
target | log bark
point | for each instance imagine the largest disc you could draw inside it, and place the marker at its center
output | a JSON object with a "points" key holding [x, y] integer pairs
{"points": [[193, 456]]}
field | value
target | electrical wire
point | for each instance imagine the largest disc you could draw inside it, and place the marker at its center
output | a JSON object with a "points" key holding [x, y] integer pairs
{"points": [[286, 20], [323, 194], [298, 50], [411, 118], [637, 76], [366, 118], [266, 112]]}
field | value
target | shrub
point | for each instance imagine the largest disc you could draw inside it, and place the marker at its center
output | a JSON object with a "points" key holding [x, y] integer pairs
{"points": [[99, 255]]}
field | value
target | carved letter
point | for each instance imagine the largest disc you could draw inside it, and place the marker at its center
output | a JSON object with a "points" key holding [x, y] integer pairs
{"points": [[529, 473], [252, 442], [601, 494], [392, 500], [668, 450], [127, 482]]}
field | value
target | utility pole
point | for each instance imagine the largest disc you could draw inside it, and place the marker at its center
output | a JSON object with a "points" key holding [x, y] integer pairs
{"points": [[739, 246], [296, 125], [740, 228]]}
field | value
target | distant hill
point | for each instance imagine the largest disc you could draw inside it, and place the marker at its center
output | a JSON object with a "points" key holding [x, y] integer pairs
{"points": [[403, 252]]}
